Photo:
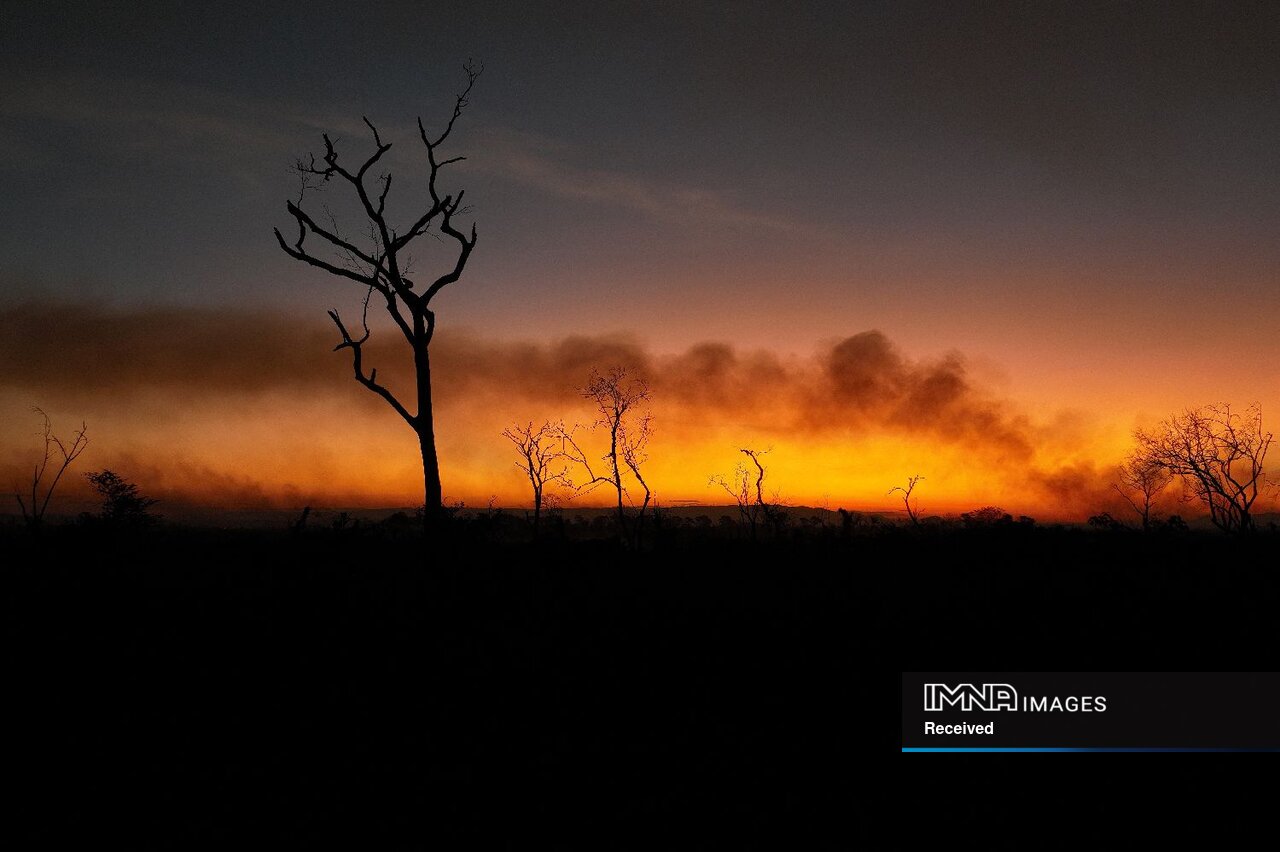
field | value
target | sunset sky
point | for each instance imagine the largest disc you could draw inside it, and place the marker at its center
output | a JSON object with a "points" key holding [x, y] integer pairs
{"points": [[978, 242]]}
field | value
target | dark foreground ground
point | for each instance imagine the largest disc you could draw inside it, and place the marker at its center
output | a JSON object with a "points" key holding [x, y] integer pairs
{"points": [[178, 685]]}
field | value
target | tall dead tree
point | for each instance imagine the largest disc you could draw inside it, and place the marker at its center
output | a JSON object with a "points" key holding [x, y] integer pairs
{"points": [[541, 460], [45, 479], [1219, 454], [381, 263]]}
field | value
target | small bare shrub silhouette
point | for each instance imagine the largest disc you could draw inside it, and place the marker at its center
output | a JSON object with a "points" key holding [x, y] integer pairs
{"points": [[45, 479]]}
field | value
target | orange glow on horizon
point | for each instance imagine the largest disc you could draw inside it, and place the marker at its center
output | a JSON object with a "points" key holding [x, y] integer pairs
{"points": [[271, 417], [282, 454]]}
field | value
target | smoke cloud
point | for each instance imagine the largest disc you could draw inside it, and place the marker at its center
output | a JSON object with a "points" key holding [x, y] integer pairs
{"points": [[239, 408]]}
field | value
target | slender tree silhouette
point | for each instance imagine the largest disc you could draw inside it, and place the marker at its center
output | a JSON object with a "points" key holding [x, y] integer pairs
{"points": [[912, 511], [746, 487], [43, 478], [1141, 481], [381, 266], [541, 460], [618, 399]]}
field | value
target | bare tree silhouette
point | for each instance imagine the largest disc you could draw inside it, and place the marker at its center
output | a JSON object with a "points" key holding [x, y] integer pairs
{"points": [[746, 487], [33, 514], [541, 460], [382, 265], [633, 440], [1219, 455], [1141, 481], [617, 399], [906, 497]]}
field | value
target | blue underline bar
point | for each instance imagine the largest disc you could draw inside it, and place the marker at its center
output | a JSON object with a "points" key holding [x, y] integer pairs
{"points": [[1055, 750]]}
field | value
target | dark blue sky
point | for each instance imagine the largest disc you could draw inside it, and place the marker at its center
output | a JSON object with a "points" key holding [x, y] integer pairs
{"points": [[993, 176]]}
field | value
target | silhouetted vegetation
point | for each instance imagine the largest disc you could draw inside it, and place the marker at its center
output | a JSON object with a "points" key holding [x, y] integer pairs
{"points": [[987, 516], [44, 479], [906, 497], [382, 265], [1219, 456], [123, 504], [620, 402], [542, 459], [1142, 479], [746, 487]]}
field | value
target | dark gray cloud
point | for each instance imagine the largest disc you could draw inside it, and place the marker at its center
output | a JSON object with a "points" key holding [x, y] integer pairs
{"points": [[220, 366], [67, 348], [862, 383]]}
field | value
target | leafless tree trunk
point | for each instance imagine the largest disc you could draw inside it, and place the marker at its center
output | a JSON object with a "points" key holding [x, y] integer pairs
{"points": [[1141, 481], [33, 514], [540, 452], [906, 497], [382, 265], [1218, 454]]}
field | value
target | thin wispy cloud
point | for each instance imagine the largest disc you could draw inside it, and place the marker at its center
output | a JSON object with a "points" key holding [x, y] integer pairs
{"points": [[549, 165], [243, 136], [252, 134]]}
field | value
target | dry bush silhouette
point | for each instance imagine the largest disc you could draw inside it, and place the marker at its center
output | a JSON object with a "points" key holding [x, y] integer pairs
{"points": [[381, 265], [1219, 455], [123, 504], [620, 403], [987, 516], [45, 479]]}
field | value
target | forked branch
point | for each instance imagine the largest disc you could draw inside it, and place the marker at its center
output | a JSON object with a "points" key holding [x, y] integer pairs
{"points": [[33, 513], [357, 364], [906, 497]]}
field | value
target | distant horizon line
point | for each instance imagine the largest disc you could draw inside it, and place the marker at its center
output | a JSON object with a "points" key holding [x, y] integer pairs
{"points": [[190, 511]]}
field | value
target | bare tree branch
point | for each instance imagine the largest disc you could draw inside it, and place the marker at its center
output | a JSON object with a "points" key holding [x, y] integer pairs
{"points": [[906, 497], [33, 514], [370, 381]]}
